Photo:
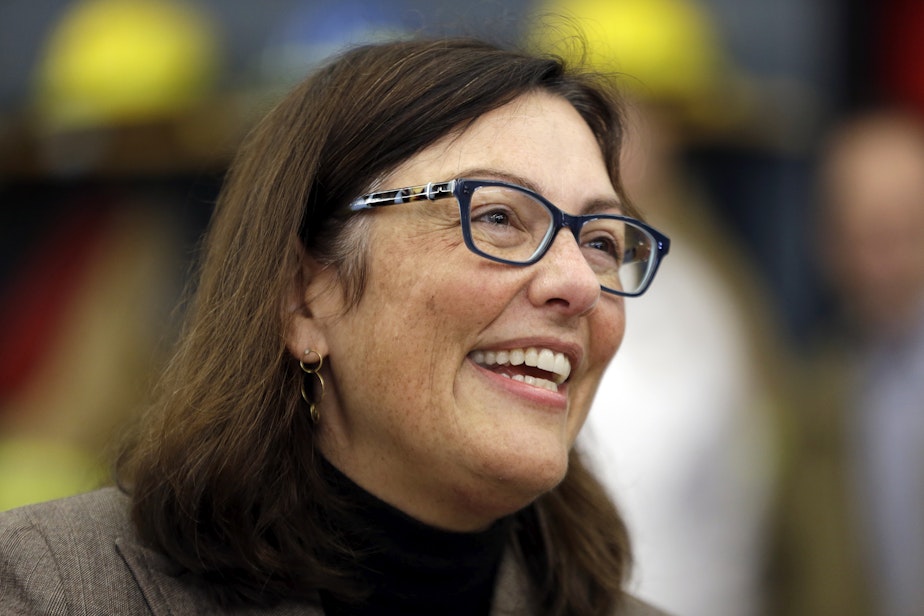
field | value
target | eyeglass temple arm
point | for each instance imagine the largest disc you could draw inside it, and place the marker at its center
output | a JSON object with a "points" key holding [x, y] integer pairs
{"points": [[431, 191]]}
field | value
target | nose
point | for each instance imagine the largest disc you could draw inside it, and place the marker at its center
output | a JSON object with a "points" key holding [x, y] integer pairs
{"points": [[563, 278]]}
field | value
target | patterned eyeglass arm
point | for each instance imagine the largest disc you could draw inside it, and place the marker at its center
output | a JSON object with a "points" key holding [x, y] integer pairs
{"points": [[431, 192]]}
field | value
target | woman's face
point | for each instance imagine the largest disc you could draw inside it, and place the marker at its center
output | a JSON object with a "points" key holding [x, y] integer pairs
{"points": [[411, 411]]}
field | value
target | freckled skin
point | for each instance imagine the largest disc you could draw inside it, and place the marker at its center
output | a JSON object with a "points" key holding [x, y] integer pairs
{"points": [[406, 414]]}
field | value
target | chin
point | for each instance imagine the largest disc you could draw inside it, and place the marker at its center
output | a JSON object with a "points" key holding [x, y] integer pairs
{"points": [[514, 459], [523, 474], [507, 481]]}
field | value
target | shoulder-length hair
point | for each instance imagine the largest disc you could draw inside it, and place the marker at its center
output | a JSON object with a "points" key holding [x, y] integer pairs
{"points": [[225, 472]]}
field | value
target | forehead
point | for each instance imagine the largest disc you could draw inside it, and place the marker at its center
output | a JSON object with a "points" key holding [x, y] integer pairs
{"points": [[538, 136]]}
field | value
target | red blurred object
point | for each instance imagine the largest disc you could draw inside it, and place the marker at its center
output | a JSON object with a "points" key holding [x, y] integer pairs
{"points": [[43, 291], [901, 52]]}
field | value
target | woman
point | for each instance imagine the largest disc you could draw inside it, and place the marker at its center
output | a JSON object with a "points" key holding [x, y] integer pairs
{"points": [[389, 356]]}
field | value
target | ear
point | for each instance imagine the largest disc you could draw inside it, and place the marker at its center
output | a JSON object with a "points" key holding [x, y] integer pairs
{"points": [[310, 291]]}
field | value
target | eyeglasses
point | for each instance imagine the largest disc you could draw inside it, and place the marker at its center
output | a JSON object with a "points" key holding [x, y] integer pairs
{"points": [[510, 224]]}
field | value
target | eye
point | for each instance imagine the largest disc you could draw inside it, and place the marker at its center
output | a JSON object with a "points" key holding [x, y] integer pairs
{"points": [[605, 247], [602, 243], [498, 216]]}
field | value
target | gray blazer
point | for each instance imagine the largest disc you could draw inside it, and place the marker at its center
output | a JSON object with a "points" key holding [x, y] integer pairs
{"points": [[80, 556]]}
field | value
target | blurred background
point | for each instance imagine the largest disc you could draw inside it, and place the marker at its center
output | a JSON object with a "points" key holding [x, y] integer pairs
{"points": [[763, 426]]}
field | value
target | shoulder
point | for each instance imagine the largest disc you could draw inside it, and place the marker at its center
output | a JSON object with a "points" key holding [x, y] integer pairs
{"points": [[62, 556], [73, 529], [93, 512], [81, 555]]}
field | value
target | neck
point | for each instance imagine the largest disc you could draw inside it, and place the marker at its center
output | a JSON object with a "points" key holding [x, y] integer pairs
{"points": [[410, 567]]}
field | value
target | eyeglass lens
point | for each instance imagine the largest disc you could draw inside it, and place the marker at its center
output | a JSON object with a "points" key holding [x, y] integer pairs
{"points": [[512, 225]]}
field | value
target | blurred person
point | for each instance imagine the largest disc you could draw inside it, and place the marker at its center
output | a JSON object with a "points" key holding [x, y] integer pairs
{"points": [[82, 324], [856, 483], [83, 317], [392, 347], [683, 431]]}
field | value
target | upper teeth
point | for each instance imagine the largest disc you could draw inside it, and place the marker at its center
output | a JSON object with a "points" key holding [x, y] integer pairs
{"points": [[544, 359]]}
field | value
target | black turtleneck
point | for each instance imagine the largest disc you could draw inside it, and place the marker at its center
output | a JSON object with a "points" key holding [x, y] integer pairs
{"points": [[409, 567]]}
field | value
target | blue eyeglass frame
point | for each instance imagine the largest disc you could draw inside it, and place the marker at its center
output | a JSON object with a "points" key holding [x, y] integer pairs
{"points": [[462, 189]]}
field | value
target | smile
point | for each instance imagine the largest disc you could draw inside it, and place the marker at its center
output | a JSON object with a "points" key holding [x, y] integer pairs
{"points": [[534, 366]]}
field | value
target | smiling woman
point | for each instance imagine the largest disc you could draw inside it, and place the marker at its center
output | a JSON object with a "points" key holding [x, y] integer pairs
{"points": [[390, 353]]}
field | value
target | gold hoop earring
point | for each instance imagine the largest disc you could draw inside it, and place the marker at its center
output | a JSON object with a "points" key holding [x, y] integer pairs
{"points": [[315, 371]]}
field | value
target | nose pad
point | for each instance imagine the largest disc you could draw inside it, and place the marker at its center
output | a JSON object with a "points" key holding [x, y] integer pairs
{"points": [[573, 223]]}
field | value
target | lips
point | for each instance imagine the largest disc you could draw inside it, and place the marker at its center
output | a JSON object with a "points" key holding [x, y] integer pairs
{"points": [[536, 366]]}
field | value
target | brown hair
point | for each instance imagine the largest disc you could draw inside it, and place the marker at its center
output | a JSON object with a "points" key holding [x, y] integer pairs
{"points": [[225, 473]]}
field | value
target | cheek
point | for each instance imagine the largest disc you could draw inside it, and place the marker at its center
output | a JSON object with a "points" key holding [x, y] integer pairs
{"points": [[606, 336], [607, 330], [425, 324], [463, 299]]}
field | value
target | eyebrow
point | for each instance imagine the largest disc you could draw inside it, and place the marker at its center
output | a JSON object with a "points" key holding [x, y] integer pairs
{"points": [[594, 206]]}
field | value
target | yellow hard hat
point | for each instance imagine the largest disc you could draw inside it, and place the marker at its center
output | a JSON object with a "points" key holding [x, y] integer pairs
{"points": [[667, 50], [116, 61]]}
